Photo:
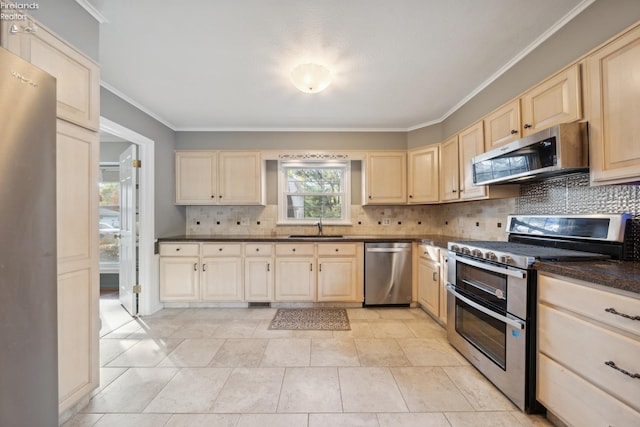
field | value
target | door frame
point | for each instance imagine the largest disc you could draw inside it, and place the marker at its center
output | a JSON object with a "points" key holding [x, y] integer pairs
{"points": [[149, 298]]}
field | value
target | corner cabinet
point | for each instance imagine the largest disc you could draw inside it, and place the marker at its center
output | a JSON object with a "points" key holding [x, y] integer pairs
{"points": [[219, 178], [470, 144], [385, 180], [588, 353], [424, 175], [613, 110]]}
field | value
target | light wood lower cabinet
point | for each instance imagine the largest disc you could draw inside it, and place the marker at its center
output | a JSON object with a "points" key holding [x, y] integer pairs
{"points": [[179, 278], [587, 353], [259, 272], [339, 272], [429, 279]]}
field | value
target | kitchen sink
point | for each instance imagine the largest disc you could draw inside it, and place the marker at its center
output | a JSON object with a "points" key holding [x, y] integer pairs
{"points": [[316, 236]]}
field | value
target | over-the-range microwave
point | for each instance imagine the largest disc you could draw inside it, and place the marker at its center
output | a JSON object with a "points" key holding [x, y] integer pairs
{"points": [[558, 150]]}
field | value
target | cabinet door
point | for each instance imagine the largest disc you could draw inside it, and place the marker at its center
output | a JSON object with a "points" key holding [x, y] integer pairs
{"points": [[258, 279], [502, 126], [295, 279], [179, 279], [386, 178], [471, 143], [337, 278], [240, 178], [443, 290], [222, 279], [424, 175], [449, 176], [196, 177], [554, 101], [614, 128], [78, 80], [429, 286]]}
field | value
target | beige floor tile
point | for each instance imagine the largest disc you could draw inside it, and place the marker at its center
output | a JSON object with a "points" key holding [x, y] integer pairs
{"points": [[482, 419], [483, 395], [250, 390], [83, 420], [390, 329], [397, 313], [359, 329], [312, 334], [126, 331], [380, 352], [310, 390], [240, 353], [429, 390], [362, 314], [334, 352], [426, 329], [261, 314], [112, 315], [235, 329], [273, 420], [434, 419], [146, 353], [197, 329], [370, 390], [343, 420], [531, 420], [192, 390], [107, 376], [203, 420], [430, 352], [263, 331], [192, 353], [112, 348], [133, 420], [131, 391], [157, 328], [287, 352]]}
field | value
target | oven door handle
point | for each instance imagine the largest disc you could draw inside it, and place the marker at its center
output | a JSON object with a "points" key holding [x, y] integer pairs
{"points": [[518, 324], [486, 266]]}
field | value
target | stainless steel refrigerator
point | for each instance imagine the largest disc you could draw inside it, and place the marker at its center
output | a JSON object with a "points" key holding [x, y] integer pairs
{"points": [[28, 295]]}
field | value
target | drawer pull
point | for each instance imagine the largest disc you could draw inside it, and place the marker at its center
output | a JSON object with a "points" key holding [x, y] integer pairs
{"points": [[204, 267], [612, 364], [195, 266], [268, 266], [617, 313]]}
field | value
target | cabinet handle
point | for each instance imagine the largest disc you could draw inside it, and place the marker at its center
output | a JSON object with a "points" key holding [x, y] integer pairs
{"points": [[204, 267], [513, 131], [435, 279], [213, 196], [220, 196], [369, 195], [320, 268], [195, 266], [617, 313], [294, 249], [310, 267], [337, 250], [220, 249], [177, 249], [257, 249], [527, 126], [612, 364], [268, 266], [410, 196], [454, 191]]}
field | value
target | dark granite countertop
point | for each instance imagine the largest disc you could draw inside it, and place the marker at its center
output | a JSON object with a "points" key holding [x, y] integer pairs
{"points": [[622, 275], [440, 241]]}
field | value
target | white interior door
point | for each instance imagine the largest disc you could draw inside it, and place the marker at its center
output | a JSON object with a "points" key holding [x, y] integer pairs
{"points": [[128, 258]]}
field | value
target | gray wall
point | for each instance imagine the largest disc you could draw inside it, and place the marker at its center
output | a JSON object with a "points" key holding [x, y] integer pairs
{"points": [[169, 218], [425, 136], [292, 140], [71, 22]]}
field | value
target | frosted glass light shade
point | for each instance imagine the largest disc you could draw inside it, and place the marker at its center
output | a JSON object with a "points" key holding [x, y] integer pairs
{"points": [[310, 78]]}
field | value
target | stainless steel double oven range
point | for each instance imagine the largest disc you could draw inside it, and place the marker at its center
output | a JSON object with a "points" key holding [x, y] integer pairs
{"points": [[491, 301]]}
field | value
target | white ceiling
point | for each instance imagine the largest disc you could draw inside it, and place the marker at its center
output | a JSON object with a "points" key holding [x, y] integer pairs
{"points": [[398, 64]]}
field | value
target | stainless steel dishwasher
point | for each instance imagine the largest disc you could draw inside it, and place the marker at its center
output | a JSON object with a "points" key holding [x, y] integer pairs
{"points": [[387, 273]]}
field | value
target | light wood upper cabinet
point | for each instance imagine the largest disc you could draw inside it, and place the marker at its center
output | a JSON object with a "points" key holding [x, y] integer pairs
{"points": [[554, 101], [449, 172], [424, 175], [502, 126], [219, 178], [470, 144], [385, 178], [78, 77], [613, 110]]}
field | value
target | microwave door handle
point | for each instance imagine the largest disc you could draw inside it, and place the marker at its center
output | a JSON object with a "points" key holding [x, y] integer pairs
{"points": [[490, 267], [515, 323]]}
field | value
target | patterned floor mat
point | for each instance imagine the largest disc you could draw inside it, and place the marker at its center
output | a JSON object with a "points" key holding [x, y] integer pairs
{"points": [[325, 319]]}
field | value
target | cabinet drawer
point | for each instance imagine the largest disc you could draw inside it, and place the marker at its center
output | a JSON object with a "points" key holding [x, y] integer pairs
{"points": [[221, 249], [337, 249], [429, 252], [258, 249], [585, 347], [577, 402], [294, 249], [590, 302], [179, 249]]}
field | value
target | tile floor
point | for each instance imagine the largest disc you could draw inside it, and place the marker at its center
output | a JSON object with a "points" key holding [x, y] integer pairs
{"points": [[224, 367]]}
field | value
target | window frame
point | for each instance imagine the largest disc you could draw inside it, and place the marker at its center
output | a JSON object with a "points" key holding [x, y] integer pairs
{"points": [[346, 184]]}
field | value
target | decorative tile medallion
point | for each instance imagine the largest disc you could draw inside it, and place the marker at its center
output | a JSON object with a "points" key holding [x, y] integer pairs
{"points": [[325, 319]]}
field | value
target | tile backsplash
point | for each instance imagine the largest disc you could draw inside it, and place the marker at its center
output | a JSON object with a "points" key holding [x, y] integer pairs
{"points": [[483, 219]]}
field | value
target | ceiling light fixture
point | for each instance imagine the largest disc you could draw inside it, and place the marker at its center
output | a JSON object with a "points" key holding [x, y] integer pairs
{"points": [[311, 78]]}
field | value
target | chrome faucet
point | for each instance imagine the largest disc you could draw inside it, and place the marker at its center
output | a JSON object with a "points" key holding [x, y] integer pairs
{"points": [[319, 224]]}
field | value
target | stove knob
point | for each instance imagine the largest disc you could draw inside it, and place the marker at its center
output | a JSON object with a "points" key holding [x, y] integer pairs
{"points": [[506, 259], [491, 256], [455, 248], [477, 253], [465, 250]]}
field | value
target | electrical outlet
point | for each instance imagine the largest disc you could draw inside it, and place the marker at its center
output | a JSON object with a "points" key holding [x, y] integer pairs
{"points": [[386, 221], [244, 221]]}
